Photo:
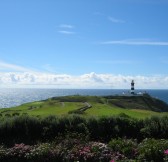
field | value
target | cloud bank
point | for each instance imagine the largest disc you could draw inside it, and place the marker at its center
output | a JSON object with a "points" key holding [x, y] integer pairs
{"points": [[90, 80]]}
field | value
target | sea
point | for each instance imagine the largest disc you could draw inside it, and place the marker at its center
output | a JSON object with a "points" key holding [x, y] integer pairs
{"points": [[14, 97]]}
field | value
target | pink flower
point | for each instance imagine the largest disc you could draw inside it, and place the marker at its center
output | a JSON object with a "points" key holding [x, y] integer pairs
{"points": [[166, 152], [112, 161]]}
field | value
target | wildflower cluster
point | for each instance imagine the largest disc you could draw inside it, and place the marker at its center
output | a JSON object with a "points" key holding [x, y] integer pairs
{"points": [[19, 150], [45, 152], [41, 152], [127, 147], [2, 152], [166, 155], [92, 151], [75, 149]]}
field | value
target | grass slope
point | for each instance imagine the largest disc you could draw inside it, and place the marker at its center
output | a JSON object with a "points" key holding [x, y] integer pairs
{"points": [[134, 106]]}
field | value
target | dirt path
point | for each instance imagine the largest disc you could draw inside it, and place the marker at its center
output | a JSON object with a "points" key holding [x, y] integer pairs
{"points": [[63, 104]]}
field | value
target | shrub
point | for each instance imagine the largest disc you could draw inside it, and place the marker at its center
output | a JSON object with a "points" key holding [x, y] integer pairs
{"points": [[30, 130], [155, 127], [75, 150], [17, 153], [105, 128], [15, 114], [128, 147], [2, 153], [50, 127], [166, 155], [20, 129], [152, 150], [40, 153], [8, 115]]}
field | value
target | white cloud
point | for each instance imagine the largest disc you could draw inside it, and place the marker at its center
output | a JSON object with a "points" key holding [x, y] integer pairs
{"points": [[114, 20], [110, 18], [135, 42], [91, 80], [66, 32], [66, 29], [66, 26], [6, 67]]}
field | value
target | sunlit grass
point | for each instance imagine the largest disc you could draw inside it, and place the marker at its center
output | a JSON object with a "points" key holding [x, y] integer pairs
{"points": [[106, 110], [100, 107]]}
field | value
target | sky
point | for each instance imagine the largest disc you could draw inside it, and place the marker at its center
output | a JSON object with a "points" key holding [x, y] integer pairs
{"points": [[83, 44]]}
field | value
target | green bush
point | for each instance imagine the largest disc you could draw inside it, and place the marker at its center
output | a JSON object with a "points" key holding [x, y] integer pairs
{"points": [[8, 115], [155, 127], [74, 147], [128, 147], [105, 128], [152, 150], [3, 151], [30, 130], [40, 153], [50, 127], [20, 129], [15, 114]]}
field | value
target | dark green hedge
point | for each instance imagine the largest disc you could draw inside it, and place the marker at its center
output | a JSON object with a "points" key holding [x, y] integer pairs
{"points": [[30, 130]]}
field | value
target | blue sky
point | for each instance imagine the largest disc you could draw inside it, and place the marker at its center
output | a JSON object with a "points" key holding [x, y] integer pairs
{"points": [[106, 42]]}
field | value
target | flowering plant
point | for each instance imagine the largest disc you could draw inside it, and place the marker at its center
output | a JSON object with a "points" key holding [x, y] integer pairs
{"points": [[166, 155], [19, 150], [2, 152]]}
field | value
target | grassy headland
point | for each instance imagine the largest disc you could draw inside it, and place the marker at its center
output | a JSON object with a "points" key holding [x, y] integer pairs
{"points": [[133, 106]]}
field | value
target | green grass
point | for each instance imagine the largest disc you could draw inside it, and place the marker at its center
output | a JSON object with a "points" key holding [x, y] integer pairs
{"points": [[106, 110], [101, 106]]}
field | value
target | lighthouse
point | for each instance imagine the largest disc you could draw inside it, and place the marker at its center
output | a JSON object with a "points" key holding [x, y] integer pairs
{"points": [[132, 87]]}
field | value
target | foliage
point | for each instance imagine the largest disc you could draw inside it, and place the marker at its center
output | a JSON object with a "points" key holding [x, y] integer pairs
{"points": [[2, 153], [20, 129], [69, 150], [152, 150], [155, 127], [40, 153], [31, 130], [106, 128], [166, 155], [75, 147], [128, 147]]}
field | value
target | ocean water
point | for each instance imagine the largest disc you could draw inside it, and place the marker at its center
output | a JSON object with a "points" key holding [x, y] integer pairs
{"points": [[15, 97]]}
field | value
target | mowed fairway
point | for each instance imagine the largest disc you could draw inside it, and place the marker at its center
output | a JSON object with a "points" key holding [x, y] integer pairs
{"points": [[42, 108], [74, 104]]}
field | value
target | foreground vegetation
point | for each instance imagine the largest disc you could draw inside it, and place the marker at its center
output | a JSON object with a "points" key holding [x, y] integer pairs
{"points": [[77, 148], [86, 129], [76, 138], [31, 130]]}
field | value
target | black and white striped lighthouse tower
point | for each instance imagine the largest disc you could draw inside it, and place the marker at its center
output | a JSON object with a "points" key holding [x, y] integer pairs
{"points": [[132, 87]]}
